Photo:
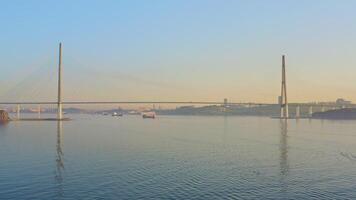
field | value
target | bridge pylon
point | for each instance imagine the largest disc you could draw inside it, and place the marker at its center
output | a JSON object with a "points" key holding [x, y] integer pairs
{"points": [[284, 100], [59, 103]]}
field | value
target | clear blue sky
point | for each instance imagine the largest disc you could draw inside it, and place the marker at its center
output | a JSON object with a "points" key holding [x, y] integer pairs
{"points": [[179, 50]]}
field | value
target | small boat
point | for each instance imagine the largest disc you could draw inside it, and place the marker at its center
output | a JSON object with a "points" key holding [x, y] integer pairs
{"points": [[4, 117], [105, 113], [150, 115], [115, 114]]}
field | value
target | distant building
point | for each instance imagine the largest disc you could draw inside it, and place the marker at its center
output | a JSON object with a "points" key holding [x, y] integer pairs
{"points": [[341, 101]]}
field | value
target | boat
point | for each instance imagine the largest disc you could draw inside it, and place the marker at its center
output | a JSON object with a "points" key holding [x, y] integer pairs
{"points": [[150, 115], [4, 117], [115, 114], [133, 112]]}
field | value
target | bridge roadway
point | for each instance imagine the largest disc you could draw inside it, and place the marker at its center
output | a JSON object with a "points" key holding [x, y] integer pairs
{"points": [[129, 102], [166, 102]]}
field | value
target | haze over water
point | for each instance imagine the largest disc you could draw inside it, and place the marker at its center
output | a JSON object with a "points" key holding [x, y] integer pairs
{"points": [[178, 157]]}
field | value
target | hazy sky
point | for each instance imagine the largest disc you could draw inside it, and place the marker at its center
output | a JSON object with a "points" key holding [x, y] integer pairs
{"points": [[178, 50]]}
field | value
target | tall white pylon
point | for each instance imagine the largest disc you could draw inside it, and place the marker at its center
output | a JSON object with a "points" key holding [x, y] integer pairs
{"points": [[59, 109], [284, 101]]}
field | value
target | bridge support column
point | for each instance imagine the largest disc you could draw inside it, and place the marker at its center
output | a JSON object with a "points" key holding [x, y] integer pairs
{"points": [[18, 111], [284, 101], [59, 103], [311, 111], [297, 112]]}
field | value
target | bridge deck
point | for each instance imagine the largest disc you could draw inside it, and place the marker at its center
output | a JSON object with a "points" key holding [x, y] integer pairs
{"points": [[41, 119]]}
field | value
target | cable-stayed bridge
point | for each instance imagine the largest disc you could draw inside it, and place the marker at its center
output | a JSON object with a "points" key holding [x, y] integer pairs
{"points": [[283, 102], [163, 102]]}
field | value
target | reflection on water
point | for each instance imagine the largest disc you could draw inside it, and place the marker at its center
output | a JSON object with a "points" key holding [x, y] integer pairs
{"points": [[178, 157], [225, 130], [283, 147], [3, 124], [3, 127], [59, 158], [283, 157]]}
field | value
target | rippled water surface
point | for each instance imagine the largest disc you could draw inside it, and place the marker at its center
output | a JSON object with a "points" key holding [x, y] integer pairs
{"points": [[178, 157]]}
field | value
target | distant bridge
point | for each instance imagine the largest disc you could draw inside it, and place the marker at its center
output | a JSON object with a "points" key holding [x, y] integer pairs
{"points": [[283, 103], [169, 102], [133, 102]]}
